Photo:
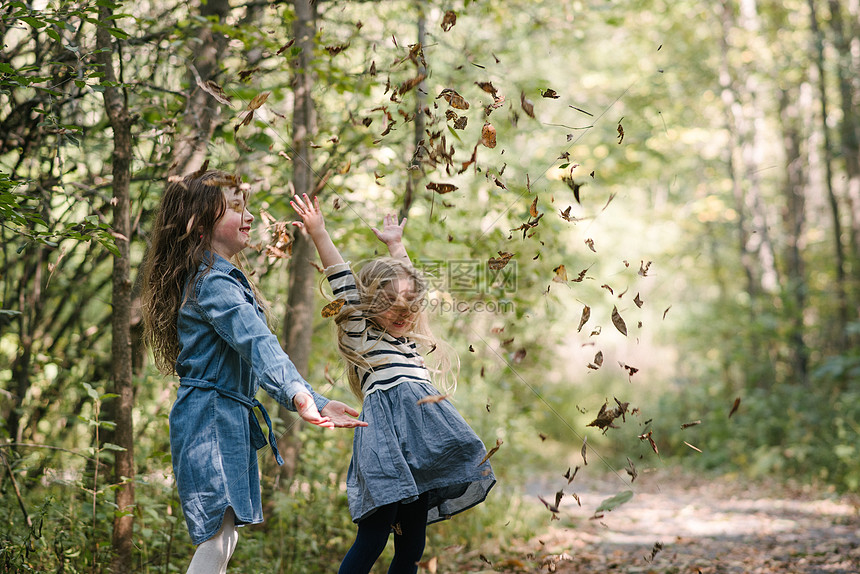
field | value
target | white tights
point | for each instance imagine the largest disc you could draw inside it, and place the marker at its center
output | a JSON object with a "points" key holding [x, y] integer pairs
{"points": [[212, 556]]}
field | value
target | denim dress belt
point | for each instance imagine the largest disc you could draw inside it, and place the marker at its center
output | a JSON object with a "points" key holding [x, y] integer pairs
{"points": [[258, 441]]}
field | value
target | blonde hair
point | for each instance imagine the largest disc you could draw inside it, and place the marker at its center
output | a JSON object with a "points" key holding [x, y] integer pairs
{"points": [[375, 283], [181, 237]]}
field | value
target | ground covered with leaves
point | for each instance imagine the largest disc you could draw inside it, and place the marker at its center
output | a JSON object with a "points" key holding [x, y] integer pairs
{"points": [[686, 523]]}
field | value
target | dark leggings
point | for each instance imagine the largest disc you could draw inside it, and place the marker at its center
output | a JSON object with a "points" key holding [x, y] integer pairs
{"points": [[409, 519]]}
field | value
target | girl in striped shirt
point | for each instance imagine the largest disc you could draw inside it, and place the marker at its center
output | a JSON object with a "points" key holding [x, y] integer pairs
{"points": [[417, 461]]}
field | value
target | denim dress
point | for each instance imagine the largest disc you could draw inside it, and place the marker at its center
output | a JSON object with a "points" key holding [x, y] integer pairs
{"points": [[227, 352], [410, 446]]}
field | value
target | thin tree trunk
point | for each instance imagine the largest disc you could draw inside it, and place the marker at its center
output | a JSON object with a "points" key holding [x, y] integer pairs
{"points": [[121, 375], [793, 218], [839, 251], [298, 317], [420, 109], [202, 111], [847, 45]]}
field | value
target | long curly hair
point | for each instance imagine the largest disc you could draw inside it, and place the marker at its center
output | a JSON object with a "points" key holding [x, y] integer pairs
{"points": [[375, 282], [181, 237]]}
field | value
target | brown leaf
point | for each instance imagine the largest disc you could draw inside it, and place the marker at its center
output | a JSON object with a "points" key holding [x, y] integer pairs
{"points": [[583, 319], [448, 20], [618, 321], [560, 274], [549, 93], [492, 451], [735, 406], [570, 476], [488, 135], [214, 90], [518, 357], [258, 100], [441, 188], [454, 99], [496, 263], [285, 46], [631, 470], [620, 131], [590, 243], [528, 107], [333, 308], [643, 268], [690, 424], [630, 370], [411, 83], [647, 436], [638, 301], [487, 87], [533, 211], [583, 451], [431, 399]]}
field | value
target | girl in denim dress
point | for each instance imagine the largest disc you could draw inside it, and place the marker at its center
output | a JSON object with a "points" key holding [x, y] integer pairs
{"points": [[206, 323], [417, 461]]}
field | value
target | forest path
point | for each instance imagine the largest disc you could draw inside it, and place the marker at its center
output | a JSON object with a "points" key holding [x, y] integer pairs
{"points": [[702, 525]]}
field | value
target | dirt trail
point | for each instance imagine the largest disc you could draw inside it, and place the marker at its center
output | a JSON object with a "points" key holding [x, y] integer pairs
{"points": [[716, 526]]}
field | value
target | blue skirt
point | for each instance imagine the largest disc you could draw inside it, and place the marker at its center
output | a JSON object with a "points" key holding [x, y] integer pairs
{"points": [[408, 449]]}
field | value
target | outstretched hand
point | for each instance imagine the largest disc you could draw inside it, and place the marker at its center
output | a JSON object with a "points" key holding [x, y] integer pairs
{"points": [[342, 415], [312, 217], [307, 409], [392, 232]]}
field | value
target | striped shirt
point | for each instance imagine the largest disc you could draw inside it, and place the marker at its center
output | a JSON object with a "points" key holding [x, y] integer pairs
{"points": [[393, 360]]}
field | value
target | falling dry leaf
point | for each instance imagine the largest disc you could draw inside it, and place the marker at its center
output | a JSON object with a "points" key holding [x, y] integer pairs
{"points": [[533, 210], [570, 476], [618, 321], [692, 447], [528, 107], [560, 274], [454, 99], [488, 135], [583, 451], [666, 311], [606, 416], [449, 20], [431, 399], [441, 188], [690, 424], [620, 131], [643, 268], [590, 243], [631, 470], [333, 308], [551, 507], [647, 436], [549, 93], [735, 406], [630, 370], [214, 90], [583, 319], [492, 451], [638, 301], [496, 263]]}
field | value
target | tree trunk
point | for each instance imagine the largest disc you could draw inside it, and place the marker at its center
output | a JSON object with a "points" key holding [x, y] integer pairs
{"points": [[121, 369], [202, 110], [846, 41], [420, 91], [793, 217], [839, 251], [298, 317]]}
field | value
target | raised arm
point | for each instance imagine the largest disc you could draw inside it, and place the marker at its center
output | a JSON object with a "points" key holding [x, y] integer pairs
{"points": [[314, 223], [392, 236]]}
